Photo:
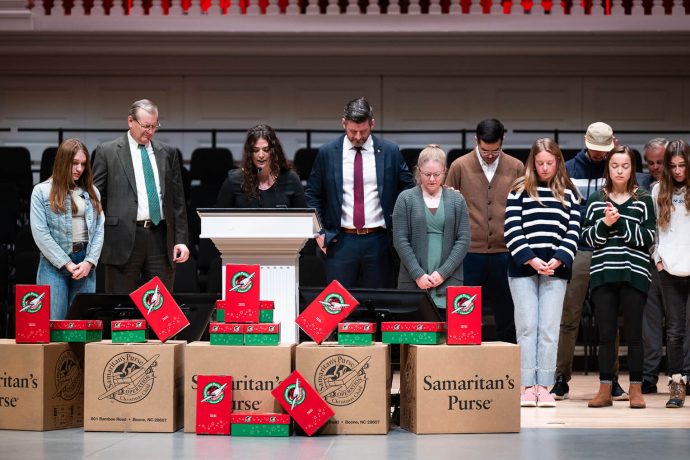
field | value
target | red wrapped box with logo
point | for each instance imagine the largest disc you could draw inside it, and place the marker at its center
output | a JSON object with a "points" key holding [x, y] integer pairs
{"points": [[303, 403], [32, 318], [128, 330], [159, 309], [413, 332], [266, 308], [330, 307], [464, 315], [76, 330], [242, 289], [256, 424], [213, 404]]}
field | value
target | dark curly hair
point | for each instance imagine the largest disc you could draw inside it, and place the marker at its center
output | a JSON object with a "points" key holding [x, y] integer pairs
{"points": [[250, 183]]}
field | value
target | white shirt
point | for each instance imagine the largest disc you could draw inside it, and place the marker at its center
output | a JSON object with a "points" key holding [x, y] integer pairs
{"points": [[489, 169], [373, 214], [142, 198]]}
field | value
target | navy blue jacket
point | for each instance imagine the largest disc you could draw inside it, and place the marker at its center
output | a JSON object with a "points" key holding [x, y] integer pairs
{"points": [[324, 188]]}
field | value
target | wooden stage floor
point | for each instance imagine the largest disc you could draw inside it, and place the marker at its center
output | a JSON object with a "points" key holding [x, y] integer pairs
{"points": [[574, 413]]}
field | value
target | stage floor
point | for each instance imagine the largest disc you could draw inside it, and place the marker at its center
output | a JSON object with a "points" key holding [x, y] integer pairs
{"points": [[570, 431]]}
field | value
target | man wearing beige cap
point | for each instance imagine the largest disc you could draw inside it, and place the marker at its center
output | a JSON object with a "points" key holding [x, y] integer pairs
{"points": [[586, 171]]}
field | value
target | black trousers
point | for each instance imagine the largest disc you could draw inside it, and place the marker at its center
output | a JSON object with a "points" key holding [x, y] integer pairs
{"points": [[608, 300], [676, 293], [149, 258]]}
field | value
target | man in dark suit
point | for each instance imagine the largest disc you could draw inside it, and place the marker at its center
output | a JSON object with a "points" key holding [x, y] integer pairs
{"points": [[143, 199], [353, 185]]}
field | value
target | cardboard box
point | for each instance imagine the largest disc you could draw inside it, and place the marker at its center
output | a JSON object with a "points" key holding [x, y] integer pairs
{"points": [[253, 424], [354, 381], [32, 313], [41, 386], [356, 334], [306, 407], [134, 386], [213, 404], [470, 389], [262, 334], [464, 309], [255, 372], [226, 334], [159, 309], [82, 330], [242, 289], [330, 307], [413, 332], [128, 331], [266, 308]]}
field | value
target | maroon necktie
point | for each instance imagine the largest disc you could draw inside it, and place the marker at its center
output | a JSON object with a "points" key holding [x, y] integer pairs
{"points": [[358, 211]]}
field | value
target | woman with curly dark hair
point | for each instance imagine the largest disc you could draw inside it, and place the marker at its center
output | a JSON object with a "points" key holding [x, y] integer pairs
{"points": [[264, 180]]}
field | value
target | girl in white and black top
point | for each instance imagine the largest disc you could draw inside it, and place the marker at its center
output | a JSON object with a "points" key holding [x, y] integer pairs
{"points": [[542, 228], [672, 204]]}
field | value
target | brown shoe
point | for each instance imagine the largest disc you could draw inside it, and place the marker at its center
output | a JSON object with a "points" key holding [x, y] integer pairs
{"points": [[676, 386], [603, 398], [636, 398]]}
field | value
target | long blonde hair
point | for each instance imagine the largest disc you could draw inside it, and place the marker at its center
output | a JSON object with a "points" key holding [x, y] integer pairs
{"points": [[62, 181], [667, 185], [558, 183]]}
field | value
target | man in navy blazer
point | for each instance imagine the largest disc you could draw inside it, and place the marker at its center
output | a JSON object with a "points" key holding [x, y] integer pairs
{"points": [[145, 236], [353, 185]]}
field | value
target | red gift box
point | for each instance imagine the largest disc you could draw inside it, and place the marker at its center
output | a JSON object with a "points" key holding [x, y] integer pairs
{"points": [[160, 309], [242, 289], [330, 307], [128, 325], [357, 328], [226, 328], [262, 328], [213, 404], [266, 418], [412, 326], [76, 325], [303, 403], [32, 319], [464, 315]]}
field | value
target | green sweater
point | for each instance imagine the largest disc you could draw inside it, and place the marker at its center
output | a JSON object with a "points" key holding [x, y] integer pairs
{"points": [[621, 252]]}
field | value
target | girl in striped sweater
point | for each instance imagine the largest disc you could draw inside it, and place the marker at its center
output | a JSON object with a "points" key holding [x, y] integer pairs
{"points": [[620, 226], [541, 232]]}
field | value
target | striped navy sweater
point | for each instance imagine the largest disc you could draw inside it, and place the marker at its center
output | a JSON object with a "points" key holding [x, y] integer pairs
{"points": [[547, 230], [621, 251]]}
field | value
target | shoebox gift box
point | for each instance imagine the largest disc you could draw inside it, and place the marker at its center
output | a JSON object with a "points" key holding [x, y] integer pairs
{"points": [[213, 404], [254, 424], [266, 308], [356, 334], [83, 330], [159, 309], [262, 334], [304, 404], [32, 314], [128, 331], [413, 332], [469, 389], [255, 372], [134, 386], [41, 386], [242, 289], [330, 307], [464, 311], [227, 333], [355, 382]]}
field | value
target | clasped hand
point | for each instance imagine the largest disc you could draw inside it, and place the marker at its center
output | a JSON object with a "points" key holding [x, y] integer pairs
{"points": [[80, 270], [429, 281], [611, 214], [544, 268]]}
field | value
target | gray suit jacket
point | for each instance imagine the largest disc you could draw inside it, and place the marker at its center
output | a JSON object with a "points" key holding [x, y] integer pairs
{"points": [[114, 176], [411, 242]]}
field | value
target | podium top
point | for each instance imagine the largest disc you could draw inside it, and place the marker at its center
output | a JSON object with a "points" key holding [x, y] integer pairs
{"points": [[258, 221]]}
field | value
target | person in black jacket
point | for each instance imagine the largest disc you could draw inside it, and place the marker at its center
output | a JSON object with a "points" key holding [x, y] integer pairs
{"points": [[264, 180]]}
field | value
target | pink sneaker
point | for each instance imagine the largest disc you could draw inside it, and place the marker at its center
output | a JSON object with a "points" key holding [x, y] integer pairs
{"points": [[528, 398], [544, 398]]}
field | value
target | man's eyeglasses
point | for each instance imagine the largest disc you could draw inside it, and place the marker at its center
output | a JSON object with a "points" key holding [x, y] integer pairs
{"points": [[148, 127], [490, 153]]}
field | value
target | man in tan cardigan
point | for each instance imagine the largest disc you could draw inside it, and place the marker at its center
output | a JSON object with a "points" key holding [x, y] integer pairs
{"points": [[484, 177]]}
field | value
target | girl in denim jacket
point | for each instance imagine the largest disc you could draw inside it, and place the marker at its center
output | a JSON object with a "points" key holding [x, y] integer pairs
{"points": [[67, 225]]}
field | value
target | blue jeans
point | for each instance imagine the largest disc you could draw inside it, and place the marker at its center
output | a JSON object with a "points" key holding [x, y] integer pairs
{"points": [[63, 289], [538, 306]]}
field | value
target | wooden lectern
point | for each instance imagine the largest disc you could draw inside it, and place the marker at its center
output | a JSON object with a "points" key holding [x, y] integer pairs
{"points": [[272, 238]]}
